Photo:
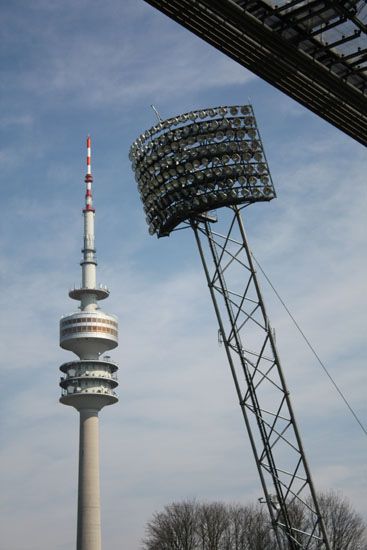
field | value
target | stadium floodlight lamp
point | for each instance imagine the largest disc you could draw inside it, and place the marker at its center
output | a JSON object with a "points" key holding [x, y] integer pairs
{"points": [[261, 167], [258, 156], [212, 158]]}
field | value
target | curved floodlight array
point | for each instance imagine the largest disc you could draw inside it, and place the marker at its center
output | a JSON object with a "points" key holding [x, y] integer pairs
{"points": [[199, 161]]}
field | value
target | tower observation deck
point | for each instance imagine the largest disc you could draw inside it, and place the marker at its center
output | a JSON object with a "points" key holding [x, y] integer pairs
{"points": [[315, 51], [88, 383]]}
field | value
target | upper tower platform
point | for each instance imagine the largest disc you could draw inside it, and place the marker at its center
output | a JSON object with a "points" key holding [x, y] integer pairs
{"points": [[89, 333]]}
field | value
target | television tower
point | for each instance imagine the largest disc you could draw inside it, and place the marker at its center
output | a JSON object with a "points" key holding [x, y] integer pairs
{"points": [[88, 384]]}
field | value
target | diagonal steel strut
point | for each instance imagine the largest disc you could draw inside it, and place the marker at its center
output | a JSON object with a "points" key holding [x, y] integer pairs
{"points": [[259, 381]]}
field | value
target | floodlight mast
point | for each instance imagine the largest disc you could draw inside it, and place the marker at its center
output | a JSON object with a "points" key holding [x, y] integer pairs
{"points": [[185, 167]]}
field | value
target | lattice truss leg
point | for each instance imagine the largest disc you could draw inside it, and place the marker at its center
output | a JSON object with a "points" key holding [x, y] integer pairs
{"points": [[263, 396]]}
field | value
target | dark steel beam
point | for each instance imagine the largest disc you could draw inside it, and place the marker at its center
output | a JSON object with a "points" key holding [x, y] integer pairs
{"points": [[237, 33]]}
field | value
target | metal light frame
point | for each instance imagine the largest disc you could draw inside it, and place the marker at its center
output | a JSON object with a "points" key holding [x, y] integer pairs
{"points": [[243, 322], [200, 161]]}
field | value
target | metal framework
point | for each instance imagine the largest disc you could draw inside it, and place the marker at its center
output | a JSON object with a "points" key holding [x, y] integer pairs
{"points": [[313, 50], [186, 166], [260, 385], [199, 161]]}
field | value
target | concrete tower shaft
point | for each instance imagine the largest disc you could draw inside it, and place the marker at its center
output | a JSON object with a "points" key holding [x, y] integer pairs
{"points": [[88, 384], [89, 520]]}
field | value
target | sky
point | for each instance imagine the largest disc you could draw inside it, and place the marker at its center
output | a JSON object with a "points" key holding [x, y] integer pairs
{"points": [[71, 68]]}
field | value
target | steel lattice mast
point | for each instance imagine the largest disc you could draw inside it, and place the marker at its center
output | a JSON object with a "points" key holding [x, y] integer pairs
{"points": [[185, 167], [259, 381]]}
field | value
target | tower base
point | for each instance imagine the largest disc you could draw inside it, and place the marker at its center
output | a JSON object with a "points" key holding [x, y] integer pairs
{"points": [[89, 511]]}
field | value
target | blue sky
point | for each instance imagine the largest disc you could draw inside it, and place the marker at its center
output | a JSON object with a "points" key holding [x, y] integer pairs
{"points": [[71, 68]]}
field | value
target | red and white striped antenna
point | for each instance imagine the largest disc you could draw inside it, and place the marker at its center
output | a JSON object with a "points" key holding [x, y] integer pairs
{"points": [[89, 179]]}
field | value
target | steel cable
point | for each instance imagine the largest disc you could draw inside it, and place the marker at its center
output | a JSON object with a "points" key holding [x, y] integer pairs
{"points": [[310, 346]]}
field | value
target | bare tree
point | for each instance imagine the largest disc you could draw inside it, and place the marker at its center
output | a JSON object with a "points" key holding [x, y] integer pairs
{"points": [[173, 529], [212, 526], [190, 525], [344, 525], [249, 528]]}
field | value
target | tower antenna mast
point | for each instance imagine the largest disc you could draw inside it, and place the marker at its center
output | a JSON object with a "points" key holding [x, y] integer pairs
{"points": [[159, 118]]}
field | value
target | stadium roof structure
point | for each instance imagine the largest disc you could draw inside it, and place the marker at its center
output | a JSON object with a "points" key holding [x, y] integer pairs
{"points": [[313, 50]]}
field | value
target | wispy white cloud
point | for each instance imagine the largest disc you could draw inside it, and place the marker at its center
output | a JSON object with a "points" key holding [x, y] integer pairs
{"points": [[16, 120], [177, 431], [116, 69]]}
